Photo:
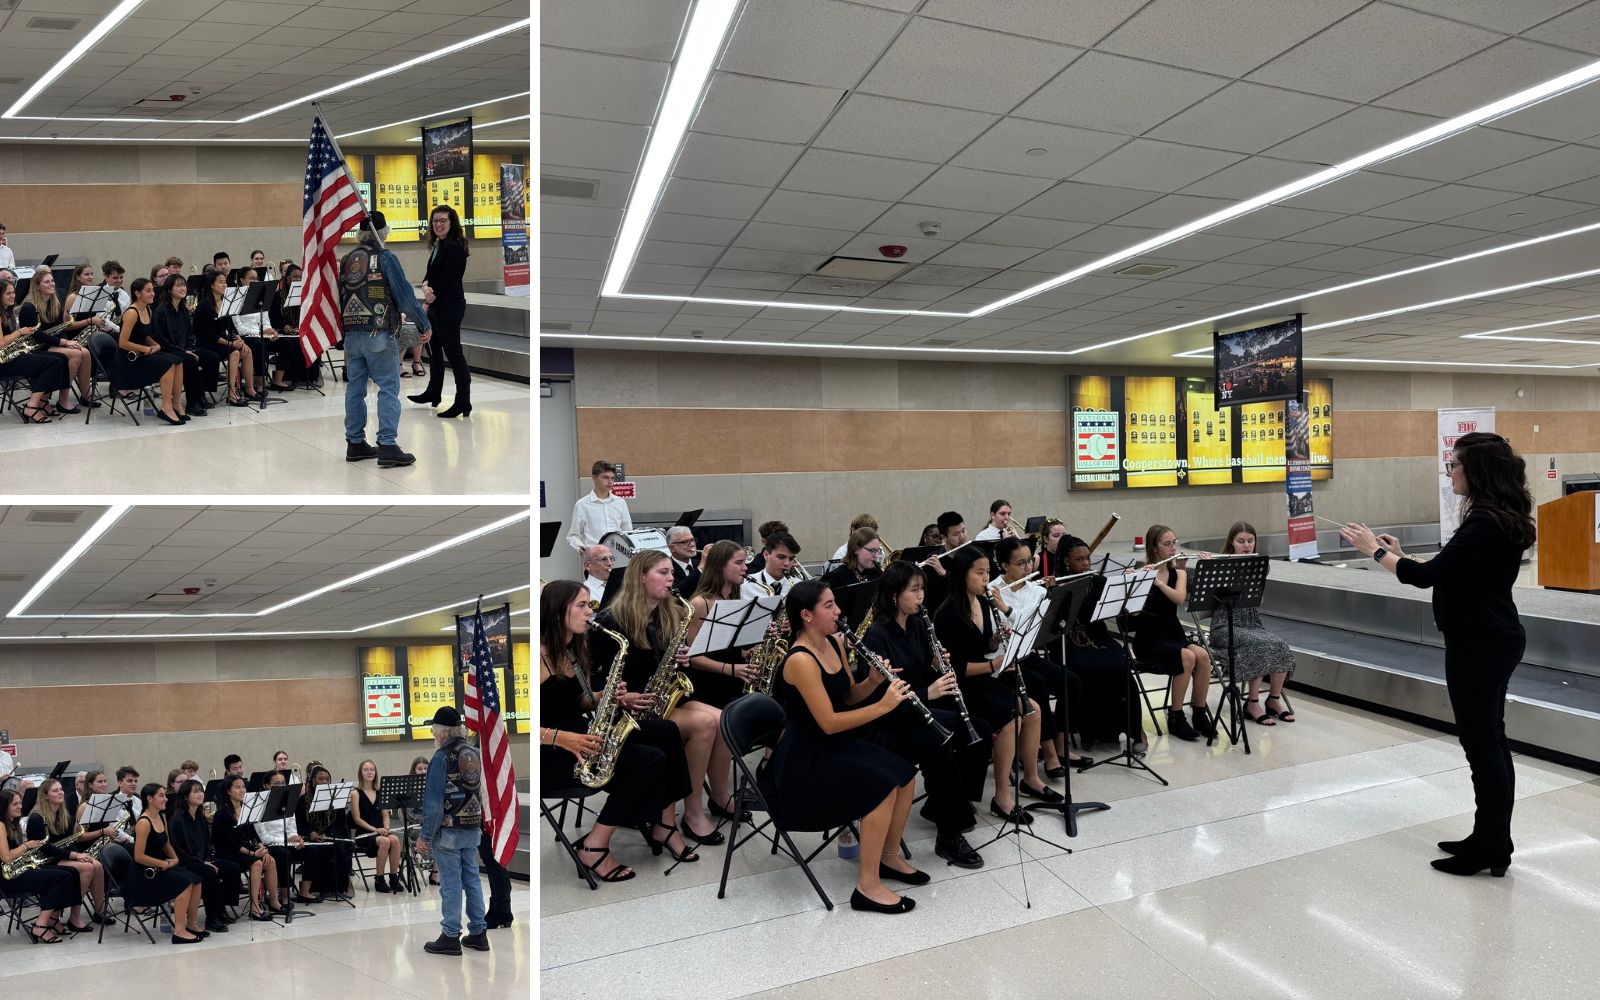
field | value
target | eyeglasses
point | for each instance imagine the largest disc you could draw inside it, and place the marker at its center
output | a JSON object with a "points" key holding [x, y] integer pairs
{"points": [[1450, 467]]}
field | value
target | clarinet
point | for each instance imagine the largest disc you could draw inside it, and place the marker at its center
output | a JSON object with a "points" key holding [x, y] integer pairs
{"points": [[994, 616], [942, 659], [872, 660]]}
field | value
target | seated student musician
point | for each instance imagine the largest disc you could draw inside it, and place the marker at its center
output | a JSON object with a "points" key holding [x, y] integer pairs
{"points": [[42, 311], [972, 637], [215, 332], [56, 888], [1047, 562], [328, 873], [192, 839], [1160, 642], [258, 261], [157, 876], [371, 824], [285, 833], [175, 334], [648, 615], [952, 773], [1109, 690], [141, 360], [856, 524], [1259, 652], [764, 531], [952, 528], [113, 855], [258, 335], [291, 371], [51, 821], [238, 842], [719, 677], [999, 525], [864, 558], [825, 773], [651, 773], [45, 372], [931, 535], [779, 554], [222, 264]]}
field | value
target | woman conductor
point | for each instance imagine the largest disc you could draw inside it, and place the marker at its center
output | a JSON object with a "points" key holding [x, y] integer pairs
{"points": [[447, 305], [1471, 579]]}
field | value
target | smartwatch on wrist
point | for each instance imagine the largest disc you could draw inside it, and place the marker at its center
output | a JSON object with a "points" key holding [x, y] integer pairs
{"points": [[1379, 554]]}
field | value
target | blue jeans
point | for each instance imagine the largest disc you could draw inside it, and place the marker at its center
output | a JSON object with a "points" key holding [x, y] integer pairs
{"points": [[455, 855], [371, 356]]}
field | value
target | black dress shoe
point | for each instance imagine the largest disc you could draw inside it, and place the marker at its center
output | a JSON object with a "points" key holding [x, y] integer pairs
{"points": [[216, 927], [178, 940], [909, 878], [860, 902], [1082, 764], [1045, 794], [1472, 863], [711, 839], [457, 409], [724, 813], [958, 852], [1017, 814], [1179, 727]]}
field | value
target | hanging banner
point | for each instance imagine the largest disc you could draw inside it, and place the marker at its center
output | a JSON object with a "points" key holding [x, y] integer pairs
{"points": [[514, 228], [447, 170], [1452, 424], [1297, 481]]}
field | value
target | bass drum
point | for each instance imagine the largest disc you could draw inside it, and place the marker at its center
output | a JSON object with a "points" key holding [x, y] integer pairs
{"points": [[621, 546]]}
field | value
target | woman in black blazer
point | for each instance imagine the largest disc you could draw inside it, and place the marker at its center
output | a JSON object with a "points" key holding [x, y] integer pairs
{"points": [[237, 842], [1484, 640], [447, 305], [191, 838]]}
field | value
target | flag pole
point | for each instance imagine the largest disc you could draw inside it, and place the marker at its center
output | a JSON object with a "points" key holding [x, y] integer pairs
{"points": [[345, 166]]}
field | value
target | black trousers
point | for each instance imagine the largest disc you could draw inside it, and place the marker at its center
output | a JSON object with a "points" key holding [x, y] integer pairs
{"points": [[57, 888], [904, 733], [651, 773], [284, 860], [44, 371], [218, 888], [291, 360], [1477, 673], [445, 345], [1101, 714], [199, 376], [499, 879]]}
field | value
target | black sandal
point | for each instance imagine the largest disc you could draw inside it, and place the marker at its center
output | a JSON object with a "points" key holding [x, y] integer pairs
{"points": [[46, 936], [38, 414], [665, 844], [1282, 715], [1266, 718], [621, 873]]}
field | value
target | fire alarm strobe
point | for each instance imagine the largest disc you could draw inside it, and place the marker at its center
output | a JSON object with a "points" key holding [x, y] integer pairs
{"points": [[892, 250]]}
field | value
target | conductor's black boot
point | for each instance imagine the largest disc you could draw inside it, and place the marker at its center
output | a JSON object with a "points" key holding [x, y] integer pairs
{"points": [[445, 945]]}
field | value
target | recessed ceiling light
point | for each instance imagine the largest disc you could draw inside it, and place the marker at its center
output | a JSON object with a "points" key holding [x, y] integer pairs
{"points": [[1516, 215], [1037, 151]]}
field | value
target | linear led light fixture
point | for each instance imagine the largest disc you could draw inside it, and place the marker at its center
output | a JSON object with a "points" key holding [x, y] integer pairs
{"points": [[265, 634], [118, 14], [600, 340], [709, 27], [78, 549], [478, 125], [107, 520], [1500, 334], [93, 138], [435, 114], [1436, 303]]}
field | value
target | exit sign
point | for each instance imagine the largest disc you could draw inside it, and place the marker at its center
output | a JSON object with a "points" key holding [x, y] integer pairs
{"points": [[625, 490]]}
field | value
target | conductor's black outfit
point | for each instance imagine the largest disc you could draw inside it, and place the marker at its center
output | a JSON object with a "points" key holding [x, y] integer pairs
{"points": [[447, 265], [1484, 640]]}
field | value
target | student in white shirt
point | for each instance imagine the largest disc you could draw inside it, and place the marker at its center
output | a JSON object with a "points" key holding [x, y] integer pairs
{"points": [[856, 524], [999, 525], [599, 512], [780, 554], [597, 563], [8, 259]]}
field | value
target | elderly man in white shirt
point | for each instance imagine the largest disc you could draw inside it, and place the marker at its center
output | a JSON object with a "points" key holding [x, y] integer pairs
{"points": [[597, 563], [599, 512]]}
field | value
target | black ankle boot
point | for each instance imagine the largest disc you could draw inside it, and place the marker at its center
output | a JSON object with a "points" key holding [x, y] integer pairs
{"points": [[429, 396], [462, 407], [1473, 862]]}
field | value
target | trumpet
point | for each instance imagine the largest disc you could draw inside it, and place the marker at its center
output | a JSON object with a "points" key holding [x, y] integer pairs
{"points": [[799, 570]]}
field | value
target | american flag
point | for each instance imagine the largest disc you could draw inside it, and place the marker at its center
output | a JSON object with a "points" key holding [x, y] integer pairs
{"points": [[332, 206], [483, 717]]}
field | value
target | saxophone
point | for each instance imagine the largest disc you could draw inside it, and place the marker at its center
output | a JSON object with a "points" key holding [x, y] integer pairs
{"points": [[610, 722], [774, 647], [668, 685], [36, 858], [123, 825]]}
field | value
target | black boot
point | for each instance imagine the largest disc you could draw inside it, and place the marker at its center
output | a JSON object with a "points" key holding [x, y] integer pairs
{"points": [[445, 945], [356, 451], [477, 942], [462, 407], [378, 883], [430, 395], [390, 456], [1179, 727]]}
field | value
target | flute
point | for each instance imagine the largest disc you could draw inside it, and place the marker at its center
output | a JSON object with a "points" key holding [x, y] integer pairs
{"points": [[1000, 585], [863, 653], [941, 555]]}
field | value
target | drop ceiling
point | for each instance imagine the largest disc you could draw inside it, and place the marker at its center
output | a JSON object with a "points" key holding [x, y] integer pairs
{"points": [[242, 57], [249, 558], [1042, 134]]}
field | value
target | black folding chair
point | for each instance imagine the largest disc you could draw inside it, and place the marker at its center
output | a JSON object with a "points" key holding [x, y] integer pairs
{"points": [[1141, 670], [575, 793], [752, 724]]}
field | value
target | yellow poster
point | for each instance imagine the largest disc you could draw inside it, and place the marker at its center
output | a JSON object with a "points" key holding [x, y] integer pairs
{"points": [[486, 195], [397, 196], [450, 191], [1261, 436], [1210, 457], [1152, 431], [430, 683], [1319, 404], [523, 711]]}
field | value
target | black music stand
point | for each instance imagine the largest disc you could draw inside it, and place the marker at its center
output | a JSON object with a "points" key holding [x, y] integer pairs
{"points": [[1229, 583], [258, 781], [1061, 607], [549, 532], [325, 799], [1021, 646], [280, 806], [404, 792], [1125, 593], [254, 303]]}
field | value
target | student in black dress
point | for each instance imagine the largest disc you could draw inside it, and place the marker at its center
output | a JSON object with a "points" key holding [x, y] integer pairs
{"points": [[969, 634], [175, 334], [953, 772], [214, 331], [57, 888], [1159, 641], [291, 370], [1484, 639], [864, 558], [825, 773], [367, 818], [45, 372], [52, 820], [191, 837], [648, 614], [1108, 690], [328, 873], [157, 876], [140, 359], [238, 842], [720, 677], [41, 310], [651, 773], [447, 306]]}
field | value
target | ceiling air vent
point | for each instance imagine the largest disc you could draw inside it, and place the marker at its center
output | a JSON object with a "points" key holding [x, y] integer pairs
{"points": [[936, 342], [1144, 270], [53, 23], [10, 81], [13, 577], [568, 187], [861, 269], [53, 516]]}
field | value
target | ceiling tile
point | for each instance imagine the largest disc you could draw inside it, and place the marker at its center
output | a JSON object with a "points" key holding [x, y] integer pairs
{"points": [[719, 201], [905, 220], [973, 254], [610, 88], [1019, 231], [1273, 222], [1065, 150], [1113, 94], [1470, 152], [748, 107], [1578, 28], [1076, 202], [1567, 165], [1512, 65], [1155, 166], [737, 161], [1443, 202], [951, 64], [820, 42], [1359, 192], [583, 142], [1222, 36], [976, 190], [1248, 118], [1351, 134], [1571, 117], [854, 175], [1250, 177], [879, 126], [802, 239], [800, 208]]}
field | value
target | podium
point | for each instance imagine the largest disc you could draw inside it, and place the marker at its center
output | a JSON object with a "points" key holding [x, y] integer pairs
{"points": [[1569, 543]]}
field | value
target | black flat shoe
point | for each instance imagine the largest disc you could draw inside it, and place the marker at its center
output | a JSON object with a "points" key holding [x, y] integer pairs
{"points": [[1058, 772], [1045, 794], [909, 878], [1082, 764], [1017, 814], [860, 902], [722, 812], [711, 839], [171, 420], [178, 940]]}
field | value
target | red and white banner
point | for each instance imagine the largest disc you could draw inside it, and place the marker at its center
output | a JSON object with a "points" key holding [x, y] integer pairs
{"points": [[1453, 424], [625, 490]]}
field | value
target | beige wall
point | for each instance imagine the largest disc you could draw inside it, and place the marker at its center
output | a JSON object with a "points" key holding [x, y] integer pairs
{"points": [[140, 204], [662, 412], [153, 705]]}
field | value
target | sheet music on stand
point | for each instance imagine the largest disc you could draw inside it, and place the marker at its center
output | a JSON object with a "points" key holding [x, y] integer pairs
{"points": [[330, 797], [232, 299], [735, 623], [97, 808], [1123, 592], [93, 300], [254, 804], [292, 300]]}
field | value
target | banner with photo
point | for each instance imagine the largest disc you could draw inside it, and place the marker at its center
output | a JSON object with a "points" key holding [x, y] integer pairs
{"points": [[514, 228], [1297, 480], [447, 170], [1453, 423]]}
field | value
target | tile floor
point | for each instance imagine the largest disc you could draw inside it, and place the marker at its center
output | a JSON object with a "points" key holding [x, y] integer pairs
{"points": [[1300, 871], [374, 950], [294, 447]]}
